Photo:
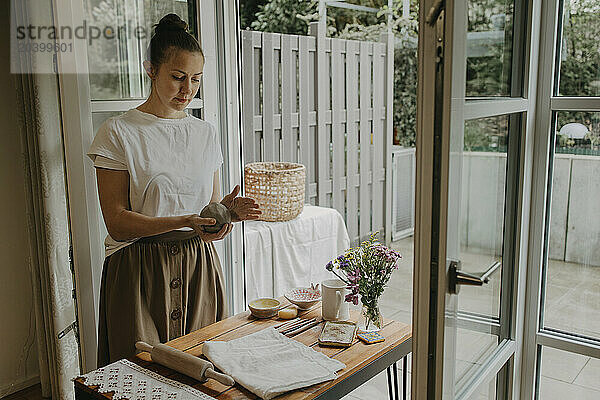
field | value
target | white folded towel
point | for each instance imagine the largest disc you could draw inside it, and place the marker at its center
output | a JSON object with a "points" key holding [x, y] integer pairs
{"points": [[268, 363]]}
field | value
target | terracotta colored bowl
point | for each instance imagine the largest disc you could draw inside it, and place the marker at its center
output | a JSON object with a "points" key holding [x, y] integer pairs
{"points": [[303, 297], [265, 307]]}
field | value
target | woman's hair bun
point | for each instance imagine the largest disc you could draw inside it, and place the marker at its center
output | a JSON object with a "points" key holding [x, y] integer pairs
{"points": [[171, 22], [171, 32]]}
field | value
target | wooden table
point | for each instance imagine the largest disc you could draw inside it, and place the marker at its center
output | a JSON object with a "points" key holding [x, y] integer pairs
{"points": [[362, 361]]}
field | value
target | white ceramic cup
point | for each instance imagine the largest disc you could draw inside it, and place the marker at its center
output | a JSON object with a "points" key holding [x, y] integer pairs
{"points": [[333, 303]]}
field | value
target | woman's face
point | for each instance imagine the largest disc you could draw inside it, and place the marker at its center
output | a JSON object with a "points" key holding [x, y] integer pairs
{"points": [[178, 79]]}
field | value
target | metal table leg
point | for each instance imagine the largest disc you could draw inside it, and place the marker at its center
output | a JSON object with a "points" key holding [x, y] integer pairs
{"points": [[404, 377], [389, 380], [396, 382], [393, 387]]}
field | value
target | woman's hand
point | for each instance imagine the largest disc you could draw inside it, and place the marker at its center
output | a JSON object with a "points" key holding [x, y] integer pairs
{"points": [[196, 222], [241, 208]]}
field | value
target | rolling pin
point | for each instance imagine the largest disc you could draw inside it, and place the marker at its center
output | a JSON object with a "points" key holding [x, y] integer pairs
{"points": [[185, 363]]}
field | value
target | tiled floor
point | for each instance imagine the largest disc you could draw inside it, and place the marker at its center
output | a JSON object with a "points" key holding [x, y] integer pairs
{"points": [[572, 303], [573, 299]]}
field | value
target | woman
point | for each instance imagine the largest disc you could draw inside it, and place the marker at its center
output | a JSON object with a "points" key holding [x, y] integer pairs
{"points": [[157, 167]]}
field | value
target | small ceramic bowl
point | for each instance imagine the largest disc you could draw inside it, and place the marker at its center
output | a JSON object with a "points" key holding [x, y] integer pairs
{"points": [[265, 307], [303, 297]]}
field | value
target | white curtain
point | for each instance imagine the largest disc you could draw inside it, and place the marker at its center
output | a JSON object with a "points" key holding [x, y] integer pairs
{"points": [[41, 140]]}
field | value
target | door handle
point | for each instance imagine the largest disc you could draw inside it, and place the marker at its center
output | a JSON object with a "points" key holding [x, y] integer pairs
{"points": [[456, 277]]}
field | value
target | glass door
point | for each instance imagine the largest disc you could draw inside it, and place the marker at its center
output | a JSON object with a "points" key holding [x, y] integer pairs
{"points": [[469, 168]]}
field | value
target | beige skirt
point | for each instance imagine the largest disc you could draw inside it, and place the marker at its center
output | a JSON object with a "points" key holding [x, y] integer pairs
{"points": [[157, 289]]}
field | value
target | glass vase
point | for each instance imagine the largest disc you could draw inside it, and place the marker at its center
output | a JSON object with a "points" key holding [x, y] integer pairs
{"points": [[371, 319]]}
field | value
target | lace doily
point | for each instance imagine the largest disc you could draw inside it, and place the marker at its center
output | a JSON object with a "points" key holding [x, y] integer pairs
{"points": [[130, 381]]}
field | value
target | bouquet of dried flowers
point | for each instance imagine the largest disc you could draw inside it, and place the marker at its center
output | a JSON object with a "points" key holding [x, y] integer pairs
{"points": [[366, 270]]}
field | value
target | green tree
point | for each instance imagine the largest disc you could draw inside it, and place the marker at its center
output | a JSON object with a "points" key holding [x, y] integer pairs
{"points": [[405, 30], [487, 75], [248, 11], [580, 50], [284, 16], [580, 70]]}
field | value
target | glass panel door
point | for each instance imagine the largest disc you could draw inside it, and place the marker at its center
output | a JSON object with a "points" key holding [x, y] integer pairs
{"points": [[572, 276], [482, 319], [477, 139], [482, 207]]}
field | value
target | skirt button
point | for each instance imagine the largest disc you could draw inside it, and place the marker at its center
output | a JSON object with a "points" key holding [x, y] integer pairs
{"points": [[176, 314], [175, 283]]}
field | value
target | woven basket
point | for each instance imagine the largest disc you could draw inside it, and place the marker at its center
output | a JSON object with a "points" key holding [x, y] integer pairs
{"points": [[277, 187]]}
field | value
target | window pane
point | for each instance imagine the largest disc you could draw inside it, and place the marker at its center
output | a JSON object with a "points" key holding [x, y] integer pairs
{"points": [[482, 210], [580, 53], [572, 276], [489, 47], [578, 133], [486, 392], [115, 59], [565, 375], [473, 348], [483, 180]]}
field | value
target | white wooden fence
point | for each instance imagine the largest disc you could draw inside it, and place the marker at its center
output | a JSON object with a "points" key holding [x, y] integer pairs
{"points": [[325, 103]]}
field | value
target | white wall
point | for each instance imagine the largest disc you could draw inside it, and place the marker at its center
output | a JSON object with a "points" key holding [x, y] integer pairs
{"points": [[18, 351], [561, 181], [575, 215], [575, 218], [483, 180]]}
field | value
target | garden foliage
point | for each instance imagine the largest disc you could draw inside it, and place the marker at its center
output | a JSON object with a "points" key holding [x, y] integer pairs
{"points": [[487, 75]]}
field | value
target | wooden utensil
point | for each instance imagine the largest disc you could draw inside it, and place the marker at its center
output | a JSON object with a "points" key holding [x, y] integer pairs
{"points": [[302, 328], [297, 325], [300, 321], [286, 323], [185, 363]]}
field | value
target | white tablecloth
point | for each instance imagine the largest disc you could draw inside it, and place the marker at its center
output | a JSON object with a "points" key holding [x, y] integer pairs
{"points": [[283, 255]]}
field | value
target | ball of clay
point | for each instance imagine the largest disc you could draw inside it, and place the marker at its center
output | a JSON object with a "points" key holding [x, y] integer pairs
{"points": [[219, 212]]}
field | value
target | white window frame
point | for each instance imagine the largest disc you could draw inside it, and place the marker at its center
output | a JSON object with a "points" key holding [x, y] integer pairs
{"points": [[224, 44], [76, 116], [547, 105]]}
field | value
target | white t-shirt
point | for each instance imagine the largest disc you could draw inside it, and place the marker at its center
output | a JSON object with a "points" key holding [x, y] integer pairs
{"points": [[171, 163]]}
